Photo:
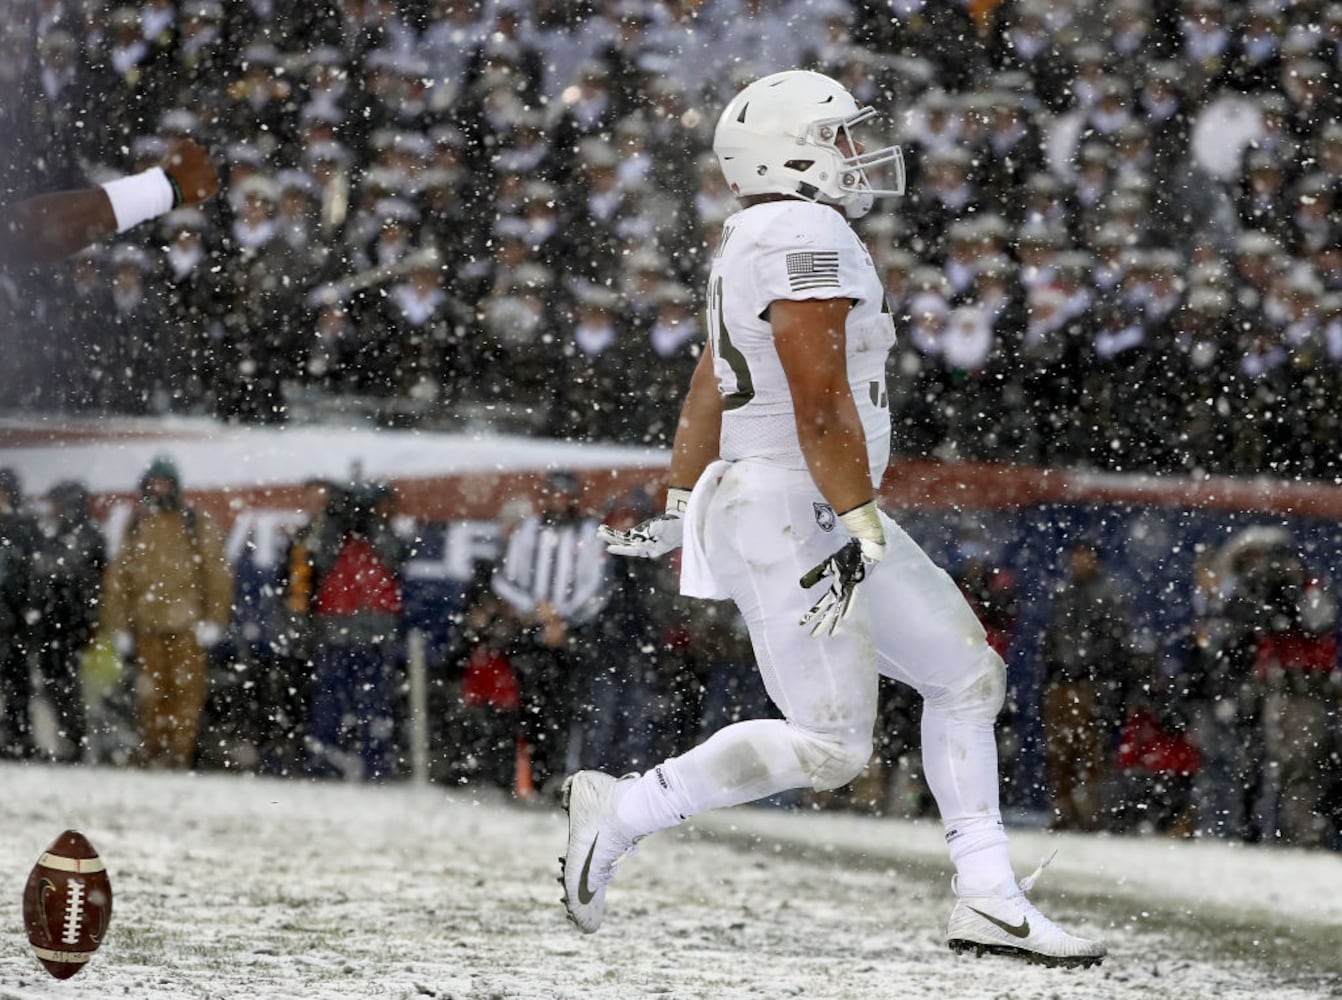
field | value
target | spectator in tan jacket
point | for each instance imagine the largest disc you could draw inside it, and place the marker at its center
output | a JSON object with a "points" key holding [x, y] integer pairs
{"points": [[166, 599]]}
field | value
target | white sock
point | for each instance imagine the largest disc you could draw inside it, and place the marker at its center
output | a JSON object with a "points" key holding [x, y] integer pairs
{"points": [[978, 848], [652, 803], [960, 761]]}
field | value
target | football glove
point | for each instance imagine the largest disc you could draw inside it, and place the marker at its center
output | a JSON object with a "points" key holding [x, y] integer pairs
{"points": [[845, 569], [654, 537]]}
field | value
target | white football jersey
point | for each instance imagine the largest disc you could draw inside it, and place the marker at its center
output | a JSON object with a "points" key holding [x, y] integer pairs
{"points": [[792, 250]]}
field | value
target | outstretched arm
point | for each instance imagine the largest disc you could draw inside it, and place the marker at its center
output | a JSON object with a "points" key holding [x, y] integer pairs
{"points": [[51, 226]]}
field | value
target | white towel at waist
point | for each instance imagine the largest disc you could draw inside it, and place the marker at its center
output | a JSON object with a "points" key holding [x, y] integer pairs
{"points": [[696, 574]]}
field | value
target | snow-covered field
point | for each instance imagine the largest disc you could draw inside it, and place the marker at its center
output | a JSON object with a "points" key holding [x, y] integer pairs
{"points": [[230, 887]]}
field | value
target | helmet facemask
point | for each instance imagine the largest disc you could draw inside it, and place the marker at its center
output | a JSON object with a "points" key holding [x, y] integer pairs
{"points": [[857, 193]]}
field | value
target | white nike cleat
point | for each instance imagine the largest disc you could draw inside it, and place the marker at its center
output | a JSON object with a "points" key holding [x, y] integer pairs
{"points": [[1005, 922], [595, 844]]}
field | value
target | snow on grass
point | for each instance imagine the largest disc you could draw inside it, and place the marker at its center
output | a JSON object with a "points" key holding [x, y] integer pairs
{"points": [[231, 887]]}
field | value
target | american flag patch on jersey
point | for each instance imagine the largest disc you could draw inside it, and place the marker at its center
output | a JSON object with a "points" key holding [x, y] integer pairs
{"points": [[813, 270]]}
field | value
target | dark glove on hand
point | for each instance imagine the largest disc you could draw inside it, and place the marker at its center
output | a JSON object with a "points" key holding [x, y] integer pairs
{"points": [[845, 569]]}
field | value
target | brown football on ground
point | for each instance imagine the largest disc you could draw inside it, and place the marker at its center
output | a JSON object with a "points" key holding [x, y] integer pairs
{"points": [[67, 904]]}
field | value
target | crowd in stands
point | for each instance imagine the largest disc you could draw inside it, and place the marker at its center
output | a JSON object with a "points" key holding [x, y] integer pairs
{"points": [[445, 210], [1120, 248]]}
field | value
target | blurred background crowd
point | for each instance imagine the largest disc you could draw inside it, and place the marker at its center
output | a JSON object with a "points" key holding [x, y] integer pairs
{"points": [[440, 212], [1120, 249]]}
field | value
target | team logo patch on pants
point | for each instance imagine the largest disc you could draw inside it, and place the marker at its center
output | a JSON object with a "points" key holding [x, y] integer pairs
{"points": [[824, 516]]}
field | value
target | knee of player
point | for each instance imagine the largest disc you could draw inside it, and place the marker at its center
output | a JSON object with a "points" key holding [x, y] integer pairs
{"points": [[982, 698], [832, 763], [988, 692]]}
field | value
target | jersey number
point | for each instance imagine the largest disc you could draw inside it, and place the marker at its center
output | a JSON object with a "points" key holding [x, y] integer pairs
{"points": [[723, 348]]}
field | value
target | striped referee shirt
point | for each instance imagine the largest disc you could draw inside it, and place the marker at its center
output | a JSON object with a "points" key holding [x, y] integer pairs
{"points": [[564, 564]]}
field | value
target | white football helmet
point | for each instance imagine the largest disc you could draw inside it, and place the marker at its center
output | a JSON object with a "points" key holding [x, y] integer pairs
{"points": [[780, 136]]}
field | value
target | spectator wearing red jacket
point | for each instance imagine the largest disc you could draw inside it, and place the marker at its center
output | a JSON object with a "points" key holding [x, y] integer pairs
{"points": [[490, 738], [356, 613], [1296, 664], [1154, 769]]}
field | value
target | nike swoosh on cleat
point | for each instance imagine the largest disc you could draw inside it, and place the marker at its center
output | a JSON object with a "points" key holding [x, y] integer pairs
{"points": [[1021, 930], [584, 893]]}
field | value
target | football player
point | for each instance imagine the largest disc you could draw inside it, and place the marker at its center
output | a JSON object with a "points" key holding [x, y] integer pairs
{"points": [[783, 436]]}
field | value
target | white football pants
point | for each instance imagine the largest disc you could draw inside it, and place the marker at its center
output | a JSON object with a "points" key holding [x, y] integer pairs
{"points": [[763, 528]]}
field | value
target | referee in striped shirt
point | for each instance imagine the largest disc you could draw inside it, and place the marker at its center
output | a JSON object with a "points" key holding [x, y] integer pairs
{"points": [[555, 576]]}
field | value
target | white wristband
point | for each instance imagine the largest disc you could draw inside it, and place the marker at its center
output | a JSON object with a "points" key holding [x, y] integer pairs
{"points": [[139, 197], [864, 523], [677, 500]]}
